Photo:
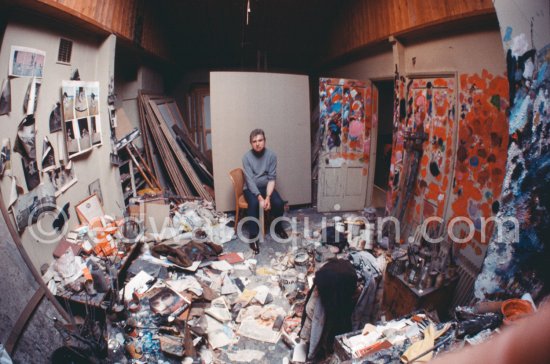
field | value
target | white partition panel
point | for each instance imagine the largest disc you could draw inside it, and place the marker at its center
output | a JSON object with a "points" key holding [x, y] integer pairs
{"points": [[277, 103]]}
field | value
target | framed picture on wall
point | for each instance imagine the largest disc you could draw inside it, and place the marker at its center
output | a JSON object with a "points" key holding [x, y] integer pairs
{"points": [[95, 188], [89, 208], [82, 122]]}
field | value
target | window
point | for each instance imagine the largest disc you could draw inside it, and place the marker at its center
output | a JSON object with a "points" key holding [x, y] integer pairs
{"points": [[65, 50]]}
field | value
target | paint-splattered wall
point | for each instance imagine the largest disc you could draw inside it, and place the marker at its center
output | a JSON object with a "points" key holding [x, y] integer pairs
{"points": [[480, 156], [457, 176], [431, 104], [514, 266]]}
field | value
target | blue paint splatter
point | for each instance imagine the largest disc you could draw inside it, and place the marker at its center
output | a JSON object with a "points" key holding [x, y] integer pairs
{"points": [[477, 224], [542, 72], [508, 34], [518, 115]]}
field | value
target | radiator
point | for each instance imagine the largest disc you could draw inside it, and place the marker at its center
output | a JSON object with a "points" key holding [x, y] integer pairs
{"points": [[467, 272]]}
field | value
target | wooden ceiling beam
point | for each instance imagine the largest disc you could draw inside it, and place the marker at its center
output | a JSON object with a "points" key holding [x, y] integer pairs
{"points": [[365, 23]]}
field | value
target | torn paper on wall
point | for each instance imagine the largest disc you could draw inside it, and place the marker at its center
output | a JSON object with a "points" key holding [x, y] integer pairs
{"points": [[55, 119], [31, 97], [5, 97], [25, 141], [48, 156], [13, 191], [62, 178], [28, 207], [5, 157], [25, 144]]}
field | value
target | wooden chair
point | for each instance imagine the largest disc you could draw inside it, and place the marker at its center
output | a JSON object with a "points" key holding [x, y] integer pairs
{"points": [[237, 177]]}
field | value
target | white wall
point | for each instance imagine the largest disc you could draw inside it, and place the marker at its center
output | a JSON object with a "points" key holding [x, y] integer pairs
{"points": [[95, 61], [376, 66], [277, 103], [127, 93], [465, 53], [462, 53]]}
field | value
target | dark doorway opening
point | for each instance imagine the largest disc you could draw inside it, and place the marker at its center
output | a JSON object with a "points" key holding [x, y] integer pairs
{"points": [[384, 140]]}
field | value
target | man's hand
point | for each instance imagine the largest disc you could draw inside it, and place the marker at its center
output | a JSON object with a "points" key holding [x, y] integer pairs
{"points": [[264, 202], [267, 203]]}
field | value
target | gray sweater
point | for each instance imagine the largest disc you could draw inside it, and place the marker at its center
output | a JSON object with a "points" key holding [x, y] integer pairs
{"points": [[259, 170]]}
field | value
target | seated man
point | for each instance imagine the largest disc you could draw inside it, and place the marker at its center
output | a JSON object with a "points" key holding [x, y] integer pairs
{"points": [[260, 171]]}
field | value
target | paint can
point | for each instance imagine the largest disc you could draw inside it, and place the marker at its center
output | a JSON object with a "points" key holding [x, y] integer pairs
{"points": [[370, 214], [369, 237], [339, 224]]}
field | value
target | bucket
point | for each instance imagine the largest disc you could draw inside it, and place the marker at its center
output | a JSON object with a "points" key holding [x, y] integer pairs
{"points": [[515, 309]]}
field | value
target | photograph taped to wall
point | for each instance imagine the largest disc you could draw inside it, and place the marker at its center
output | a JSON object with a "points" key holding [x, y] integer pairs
{"points": [[84, 134], [89, 209], [25, 143], [72, 143], [96, 132], [28, 207], [31, 97], [62, 178], [95, 188], [26, 62], [82, 123], [31, 172], [5, 97], [68, 103], [48, 155], [5, 157], [55, 119], [80, 102], [93, 102]]}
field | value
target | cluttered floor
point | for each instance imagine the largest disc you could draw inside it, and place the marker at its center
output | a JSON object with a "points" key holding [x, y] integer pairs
{"points": [[195, 293]]}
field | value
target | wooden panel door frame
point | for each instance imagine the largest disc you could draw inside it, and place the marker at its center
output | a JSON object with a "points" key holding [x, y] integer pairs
{"points": [[346, 131], [373, 143]]}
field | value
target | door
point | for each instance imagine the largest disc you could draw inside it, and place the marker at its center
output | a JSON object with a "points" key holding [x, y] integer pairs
{"points": [[432, 102], [348, 121]]}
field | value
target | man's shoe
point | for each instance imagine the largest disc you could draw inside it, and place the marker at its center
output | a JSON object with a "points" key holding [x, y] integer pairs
{"points": [[281, 233]]}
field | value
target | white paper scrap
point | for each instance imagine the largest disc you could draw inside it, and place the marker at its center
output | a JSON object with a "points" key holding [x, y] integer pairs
{"points": [[246, 356], [135, 284]]}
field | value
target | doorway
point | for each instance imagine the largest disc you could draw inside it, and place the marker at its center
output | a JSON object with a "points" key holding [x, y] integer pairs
{"points": [[384, 144]]}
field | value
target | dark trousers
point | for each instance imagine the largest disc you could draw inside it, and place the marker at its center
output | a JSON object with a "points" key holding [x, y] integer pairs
{"points": [[277, 210]]}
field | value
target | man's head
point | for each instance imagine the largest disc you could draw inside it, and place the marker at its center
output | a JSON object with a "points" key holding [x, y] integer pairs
{"points": [[257, 140]]}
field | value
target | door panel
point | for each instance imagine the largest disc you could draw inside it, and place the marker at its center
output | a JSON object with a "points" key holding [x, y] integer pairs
{"points": [[433, 109], [332, 182], [348, 113], [354, 182]]}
